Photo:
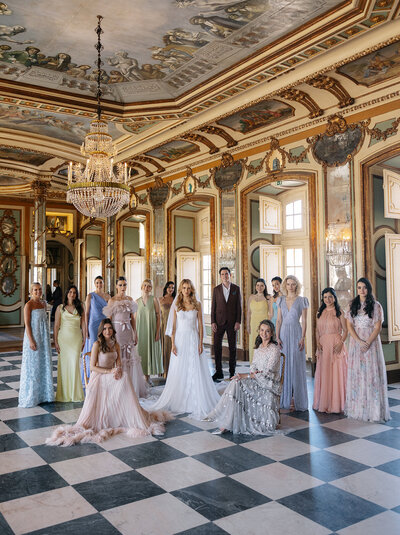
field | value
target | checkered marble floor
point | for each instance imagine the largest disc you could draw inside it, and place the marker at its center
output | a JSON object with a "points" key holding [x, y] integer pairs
{"points": [[326, 475]]}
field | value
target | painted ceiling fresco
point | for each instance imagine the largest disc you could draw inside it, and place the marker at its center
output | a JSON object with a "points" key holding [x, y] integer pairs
{"points": [[258, 115], [148, 40], [55, 125], [174, 150], [375, 67], [25, 156]]}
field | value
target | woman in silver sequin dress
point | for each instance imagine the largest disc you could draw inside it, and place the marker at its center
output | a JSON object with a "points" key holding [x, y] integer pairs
{"points": [[250, 404]]}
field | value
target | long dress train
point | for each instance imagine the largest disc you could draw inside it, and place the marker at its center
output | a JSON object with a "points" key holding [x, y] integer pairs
{"points": [[294, 384], [69, 384], [36, 382], [111, 407], [251, 406], [331, 372], [120, 313], [366, 395], [189, 387], [97, 303]]}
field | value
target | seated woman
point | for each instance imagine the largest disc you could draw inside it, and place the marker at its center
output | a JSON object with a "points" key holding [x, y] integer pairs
{"points": [[111, 405], [250, 404]]}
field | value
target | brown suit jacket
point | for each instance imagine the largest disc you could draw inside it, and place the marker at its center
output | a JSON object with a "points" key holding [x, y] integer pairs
{"points": [[226, 312]]}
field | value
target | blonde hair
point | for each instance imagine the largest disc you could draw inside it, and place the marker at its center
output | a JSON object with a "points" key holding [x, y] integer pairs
{"points": [[192, 297], [293, 278], [147, 281], [34, 284]]}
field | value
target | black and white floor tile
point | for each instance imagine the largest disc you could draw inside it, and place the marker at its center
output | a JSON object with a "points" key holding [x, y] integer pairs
{"points": [[327, 475]]}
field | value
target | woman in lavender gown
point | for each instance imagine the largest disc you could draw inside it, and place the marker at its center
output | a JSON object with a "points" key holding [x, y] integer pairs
{"points": [[121, 310], [95, 302], [291, 337], [366, 394]]}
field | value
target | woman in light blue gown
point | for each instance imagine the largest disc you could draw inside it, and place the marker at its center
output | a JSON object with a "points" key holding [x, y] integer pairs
{"points": [[291, 338], [95, 302], [276, 285], [36, 383]]}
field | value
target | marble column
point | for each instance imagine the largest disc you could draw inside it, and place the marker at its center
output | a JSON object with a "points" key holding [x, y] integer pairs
{"points": [[39, 265], [158, 251], [110, 254]]}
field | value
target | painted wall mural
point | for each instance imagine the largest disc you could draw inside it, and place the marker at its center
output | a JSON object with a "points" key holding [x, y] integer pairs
{"points": [[376, 67], [261, 114], [55, 125], [174, 150]]}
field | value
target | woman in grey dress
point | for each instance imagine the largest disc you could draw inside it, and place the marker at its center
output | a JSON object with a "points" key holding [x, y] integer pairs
{"points": [[291, 337], [250, 403]]}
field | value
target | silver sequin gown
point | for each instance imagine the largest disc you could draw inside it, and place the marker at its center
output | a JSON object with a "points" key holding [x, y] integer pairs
{"points": [[251, 406]]}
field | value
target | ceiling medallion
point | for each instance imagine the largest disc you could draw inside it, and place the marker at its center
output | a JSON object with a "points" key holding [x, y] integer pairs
{"points": [[96, 190]]}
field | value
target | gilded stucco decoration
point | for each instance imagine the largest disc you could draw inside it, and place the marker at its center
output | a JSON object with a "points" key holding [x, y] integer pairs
{"points": [[8, 249]]}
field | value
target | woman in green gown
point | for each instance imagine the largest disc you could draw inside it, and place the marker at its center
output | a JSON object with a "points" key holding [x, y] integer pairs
{"points": [[69, 334], [148, 331]]}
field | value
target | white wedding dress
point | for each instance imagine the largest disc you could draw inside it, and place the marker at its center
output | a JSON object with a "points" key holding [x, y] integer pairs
{"points": [[189, 387]]}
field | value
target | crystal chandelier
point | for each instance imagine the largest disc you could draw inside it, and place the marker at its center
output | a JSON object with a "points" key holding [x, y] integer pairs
{"points": [[157, 258], [338, 246], [97, 190], [227, 250]]}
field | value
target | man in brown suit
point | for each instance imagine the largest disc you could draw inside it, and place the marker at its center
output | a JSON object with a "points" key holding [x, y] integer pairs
{"points": [[226, 315]]}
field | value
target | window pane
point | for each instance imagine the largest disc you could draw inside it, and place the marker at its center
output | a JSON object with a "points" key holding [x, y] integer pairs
{"points": [[289, 257], [298, 271], [298, 257], [297, 222], [206, 277], [289, 209], [297, 207], [206, 261], [289, 222]]}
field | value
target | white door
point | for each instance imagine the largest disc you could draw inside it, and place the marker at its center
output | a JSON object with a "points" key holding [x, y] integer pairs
{"points": [[135, 272], [391, 193], [270, 215], [270, 263], [94, 268], [188, 267]]}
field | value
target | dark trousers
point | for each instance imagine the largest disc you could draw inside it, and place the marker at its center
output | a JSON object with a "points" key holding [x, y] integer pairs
{"points": [[218, 336]]}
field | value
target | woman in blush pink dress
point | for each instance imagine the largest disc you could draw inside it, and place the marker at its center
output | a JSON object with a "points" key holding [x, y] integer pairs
{"points": [[121, 310], [366, 394], [331, 372], [111, 405]]}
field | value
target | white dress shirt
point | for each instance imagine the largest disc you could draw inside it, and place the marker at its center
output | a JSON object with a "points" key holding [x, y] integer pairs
{"points": [[226, 291]]}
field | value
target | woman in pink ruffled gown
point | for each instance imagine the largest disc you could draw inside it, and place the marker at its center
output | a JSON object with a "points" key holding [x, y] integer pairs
{"points": [[331, 372], [121, 310], [111, 405]]}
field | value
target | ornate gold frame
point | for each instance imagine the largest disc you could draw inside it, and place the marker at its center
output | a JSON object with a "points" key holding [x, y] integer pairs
{"points": [[210, 198], [310, 178]]}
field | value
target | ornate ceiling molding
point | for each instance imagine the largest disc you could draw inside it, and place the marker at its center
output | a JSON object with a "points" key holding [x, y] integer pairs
{"points": [[200, 139], [303, 98], [334, 87], [215, 130]]}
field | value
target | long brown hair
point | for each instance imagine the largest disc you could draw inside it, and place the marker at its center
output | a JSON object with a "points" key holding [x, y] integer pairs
{"points": [[100, 336], [192, 297]]}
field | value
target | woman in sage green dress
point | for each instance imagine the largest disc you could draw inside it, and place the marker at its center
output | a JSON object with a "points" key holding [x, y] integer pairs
{"points": [[69, 334], [148, 331]]}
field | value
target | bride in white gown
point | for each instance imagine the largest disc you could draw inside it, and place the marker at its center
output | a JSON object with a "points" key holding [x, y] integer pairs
{"points": [[189, 387]]}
